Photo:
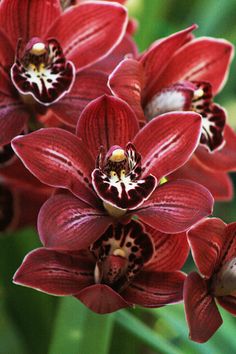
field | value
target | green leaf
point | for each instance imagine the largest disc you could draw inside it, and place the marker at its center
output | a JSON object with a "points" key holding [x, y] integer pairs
{"points": [[144, 333], [80, 331]]}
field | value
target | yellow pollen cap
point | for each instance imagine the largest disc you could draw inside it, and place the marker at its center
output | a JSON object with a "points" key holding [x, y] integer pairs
{"points": [[38, 49], [118, 155], [119, 252], [198, 93]]}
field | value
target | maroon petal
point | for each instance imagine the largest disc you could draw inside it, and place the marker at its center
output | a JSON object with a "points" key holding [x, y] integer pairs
{"points": [[101, 299], [171, 251], [217, 182], [59, 159], [126, 47], [165, 143], [206, 241], [106, 121], [7, 53], [65, 222], [223, 159], [13, 118], [201, 312], [156, 59], [28, 18], [175, 206], [202, 59], [228, 303], [155, 289], [127, 82], [84, 31], [88, 85], [53, 272]]}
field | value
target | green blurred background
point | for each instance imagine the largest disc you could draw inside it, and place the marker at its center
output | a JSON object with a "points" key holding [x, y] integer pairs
{"points": [[35, 323]]}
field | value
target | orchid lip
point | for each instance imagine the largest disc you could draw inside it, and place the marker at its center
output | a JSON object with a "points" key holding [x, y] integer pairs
{"points": [[118, 182], [42, 71]]}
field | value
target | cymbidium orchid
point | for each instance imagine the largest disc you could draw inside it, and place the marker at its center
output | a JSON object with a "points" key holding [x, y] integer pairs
{"points": [[45, 53], [129, 264], [213, 245], [126, 179], [180, 73]]}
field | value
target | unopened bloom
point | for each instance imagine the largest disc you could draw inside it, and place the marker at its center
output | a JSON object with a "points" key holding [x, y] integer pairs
{"points": [[213, 245], [129, 264], [126, 178]]}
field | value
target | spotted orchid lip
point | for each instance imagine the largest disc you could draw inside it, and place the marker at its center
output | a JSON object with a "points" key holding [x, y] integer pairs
{"points": [[42, 71], [118, 180]]}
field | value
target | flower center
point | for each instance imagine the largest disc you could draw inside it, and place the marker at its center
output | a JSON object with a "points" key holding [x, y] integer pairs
{"points": [[121, 253], [41, 70], [225, 281], [118, 181]]}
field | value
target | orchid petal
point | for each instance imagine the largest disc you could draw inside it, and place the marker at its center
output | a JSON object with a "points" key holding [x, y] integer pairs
{"points": [[165, 143], [53, 272], [106, 121], [127, 82], [175, 206], [87, 29], [155, 289], [206, 241], [28, 18], [223, 159], [88, 85], [202, 314], [101, 299], [208, 60], [59, 159], [228, 303], [217, 182], [156, 59], [65, 222], [171, 251], [13, 118]]}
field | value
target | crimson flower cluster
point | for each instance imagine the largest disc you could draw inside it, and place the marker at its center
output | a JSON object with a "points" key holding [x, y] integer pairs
{"points": [[119, 155]]}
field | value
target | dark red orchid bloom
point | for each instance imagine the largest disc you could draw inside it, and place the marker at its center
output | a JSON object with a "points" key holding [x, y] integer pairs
{"points": [[130, 165], [183, 73], [130, 264], [17, 209], [44, 56], [213, 245]]}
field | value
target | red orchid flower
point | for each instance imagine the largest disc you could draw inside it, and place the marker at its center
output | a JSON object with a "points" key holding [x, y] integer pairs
{"points": [[183, 73], [44, 55], [128, 168], [213, 245], [16, 208], [130, 264]]}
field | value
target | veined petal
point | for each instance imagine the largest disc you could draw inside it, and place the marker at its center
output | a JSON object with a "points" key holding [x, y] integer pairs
{"points": [[88, 85], [65, 222], [106, 121], [228, 303], [155, 289], [217, 182], [207, 60], [156, 59], [28, 18], [55, 272], [165, 143], [206, 240], [13, 118], [127, 82], [223, 159], [171, 251], [87, 28], [175, 206], [201, 312], [7, 52], [59, 159], [101, 299]]}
